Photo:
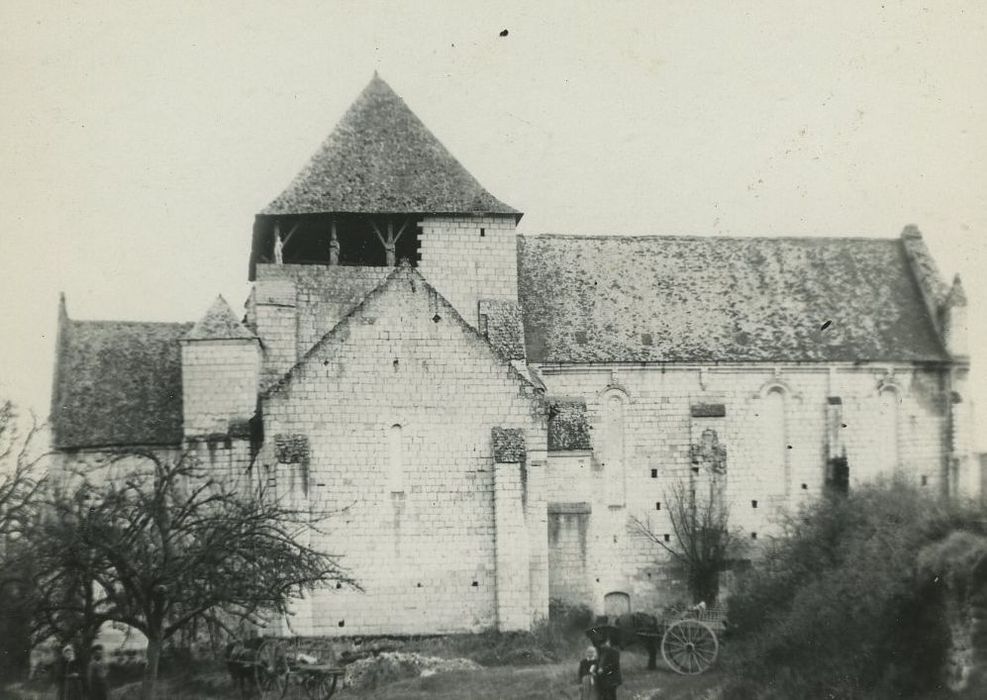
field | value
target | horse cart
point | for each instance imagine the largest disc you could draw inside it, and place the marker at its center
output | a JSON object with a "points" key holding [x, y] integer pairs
{"points": [[269, 669], [688, 639]]}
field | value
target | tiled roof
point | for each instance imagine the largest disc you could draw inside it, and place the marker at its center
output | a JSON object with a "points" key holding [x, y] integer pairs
{"points": [[380, 158], [117, 383], [501, 325], [693, 299], [219, 323], [568, 428]]}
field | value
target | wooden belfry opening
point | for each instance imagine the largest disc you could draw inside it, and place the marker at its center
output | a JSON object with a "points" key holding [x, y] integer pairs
{"points": [[391, 241], [376, 240]]}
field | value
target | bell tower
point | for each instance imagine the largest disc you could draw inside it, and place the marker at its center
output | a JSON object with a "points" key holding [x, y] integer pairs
{"points": [[381, 189]]}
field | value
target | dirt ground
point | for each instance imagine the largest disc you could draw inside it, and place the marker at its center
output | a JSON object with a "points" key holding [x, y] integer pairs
{"points": [[557, 681], [548, 681]]}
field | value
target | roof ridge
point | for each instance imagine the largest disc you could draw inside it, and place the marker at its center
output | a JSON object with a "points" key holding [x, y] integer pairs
{"points": [[654, 236], [108, 321]]}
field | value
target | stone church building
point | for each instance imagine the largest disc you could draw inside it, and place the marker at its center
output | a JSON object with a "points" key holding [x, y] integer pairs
{"points": [[485, 412]]}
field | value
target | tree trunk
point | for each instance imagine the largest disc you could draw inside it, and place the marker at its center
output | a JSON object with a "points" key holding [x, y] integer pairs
{"points": [[704, 585], [87, 637], [154, 644]]}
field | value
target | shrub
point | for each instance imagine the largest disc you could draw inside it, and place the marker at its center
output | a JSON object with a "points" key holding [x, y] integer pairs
{"points": [[569, 617], [838, 606], [559, 637]]}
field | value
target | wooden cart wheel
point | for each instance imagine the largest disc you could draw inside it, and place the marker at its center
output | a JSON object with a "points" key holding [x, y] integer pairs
{"points": [[689, 647], [271, 670], [322, 687]]}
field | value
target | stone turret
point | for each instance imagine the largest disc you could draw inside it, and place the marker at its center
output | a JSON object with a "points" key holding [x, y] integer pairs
{"points": [[220, 374], [953, 320]]}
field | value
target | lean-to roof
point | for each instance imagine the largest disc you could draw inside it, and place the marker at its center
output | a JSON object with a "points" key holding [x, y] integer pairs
{"points": [[117, 383]]}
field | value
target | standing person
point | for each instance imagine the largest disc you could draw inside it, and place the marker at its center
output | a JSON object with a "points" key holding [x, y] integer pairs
{"points": [[608, 676], [98, 689], [70, 678], [587, 675]]}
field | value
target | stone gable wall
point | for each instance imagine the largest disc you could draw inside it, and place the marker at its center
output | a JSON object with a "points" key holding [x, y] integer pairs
{"points": [[660, 427], [422, 543], [465, 266]]}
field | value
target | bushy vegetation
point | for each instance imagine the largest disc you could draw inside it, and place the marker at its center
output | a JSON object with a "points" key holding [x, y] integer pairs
{"points": [[840, 606]]}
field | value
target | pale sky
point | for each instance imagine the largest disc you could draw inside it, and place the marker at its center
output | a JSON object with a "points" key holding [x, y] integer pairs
{"points": [[137, 140]]}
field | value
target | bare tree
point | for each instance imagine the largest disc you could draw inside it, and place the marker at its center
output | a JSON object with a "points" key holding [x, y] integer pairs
{"points": [[167, 546], [20, 486], [701, 540], [19, 481]]}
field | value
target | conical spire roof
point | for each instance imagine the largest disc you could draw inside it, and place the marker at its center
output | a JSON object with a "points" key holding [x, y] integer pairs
{"points": [[957, 295], [219, 323], [380, 158]]}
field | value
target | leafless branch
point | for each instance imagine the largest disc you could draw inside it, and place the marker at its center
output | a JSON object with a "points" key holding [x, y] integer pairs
{"points": [[701, 540], [167, 546]]}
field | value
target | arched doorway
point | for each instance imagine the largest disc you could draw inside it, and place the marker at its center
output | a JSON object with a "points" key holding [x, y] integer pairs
{"points": [[616, 603]]}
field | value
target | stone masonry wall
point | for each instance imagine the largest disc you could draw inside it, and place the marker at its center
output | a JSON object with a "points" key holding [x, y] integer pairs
{"points": [[767, 469], [273, 310], [512, 557], [568, 531], [412, 507], [470, 258], [219, 384]]}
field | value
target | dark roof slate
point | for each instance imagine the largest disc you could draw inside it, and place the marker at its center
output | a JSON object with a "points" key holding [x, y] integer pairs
{"points": [[694, 299], [219, 323], [501, 325], [381, 158], [568, 427], [117, 383]]}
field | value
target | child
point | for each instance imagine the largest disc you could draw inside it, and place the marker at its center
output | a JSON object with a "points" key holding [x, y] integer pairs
{"points": [[70, 677], [98, 689], [587, 675]]}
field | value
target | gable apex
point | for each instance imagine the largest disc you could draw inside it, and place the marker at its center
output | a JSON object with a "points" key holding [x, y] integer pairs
{"points": [[219, 323], [444, 312]]}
